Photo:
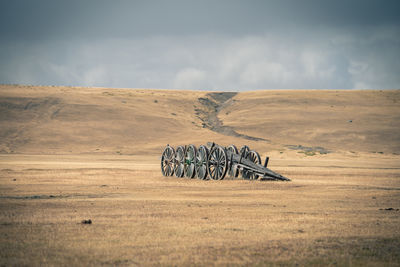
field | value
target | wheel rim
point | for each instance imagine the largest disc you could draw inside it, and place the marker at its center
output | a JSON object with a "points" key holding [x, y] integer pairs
{"points": [[190, 158], [179, 162], [233, 171], [253, 156], [217, 163], [201, 162], [233, 149], [167, 161]]}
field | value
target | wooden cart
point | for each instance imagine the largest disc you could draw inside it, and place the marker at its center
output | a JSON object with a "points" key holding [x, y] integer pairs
{"points": [[214, 161]]}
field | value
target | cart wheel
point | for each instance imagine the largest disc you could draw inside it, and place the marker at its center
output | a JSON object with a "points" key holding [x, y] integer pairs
{"points": [[233, 170], [253, 156], [190, 157], [167, 161], [217, 163], [179, 161], [201, 162]]}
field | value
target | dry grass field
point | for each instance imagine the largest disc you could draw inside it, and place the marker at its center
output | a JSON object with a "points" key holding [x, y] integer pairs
{"points": [[71, 154]]}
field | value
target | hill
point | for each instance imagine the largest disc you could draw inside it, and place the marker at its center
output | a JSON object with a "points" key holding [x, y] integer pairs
{"points": [[46, 120], [70, 156]]}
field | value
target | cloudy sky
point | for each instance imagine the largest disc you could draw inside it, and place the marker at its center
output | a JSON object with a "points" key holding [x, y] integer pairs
{"points": [[226, 45]]}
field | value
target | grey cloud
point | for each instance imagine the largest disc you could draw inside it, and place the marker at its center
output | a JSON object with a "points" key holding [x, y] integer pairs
{"points": [[206, 45], [97, 19], [209, 62]]}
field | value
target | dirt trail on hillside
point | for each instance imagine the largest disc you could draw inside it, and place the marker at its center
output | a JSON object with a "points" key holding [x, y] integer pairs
{"points": [[211, 105]]}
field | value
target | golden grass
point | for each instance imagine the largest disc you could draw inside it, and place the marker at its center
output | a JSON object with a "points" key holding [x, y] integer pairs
{"points": [[325, 216], [68, 120]]}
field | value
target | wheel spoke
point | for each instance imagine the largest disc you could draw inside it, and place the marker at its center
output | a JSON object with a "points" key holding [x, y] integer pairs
{"points": [[212, 171], [220, 170]]}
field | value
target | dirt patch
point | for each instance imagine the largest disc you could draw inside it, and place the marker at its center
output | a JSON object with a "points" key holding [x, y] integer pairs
{"points": [[309, 151], [31, 197], [208, 112], [86, 221]]}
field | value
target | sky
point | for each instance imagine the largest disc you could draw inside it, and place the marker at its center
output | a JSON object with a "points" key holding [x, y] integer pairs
{"points": [[224, 45]]}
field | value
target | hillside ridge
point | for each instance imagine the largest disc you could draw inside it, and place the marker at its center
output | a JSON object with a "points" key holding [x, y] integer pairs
{"points": [[142, 121]]}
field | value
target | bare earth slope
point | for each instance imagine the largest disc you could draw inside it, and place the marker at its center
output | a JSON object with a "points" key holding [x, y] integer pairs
{"points": [[69, 154]]}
